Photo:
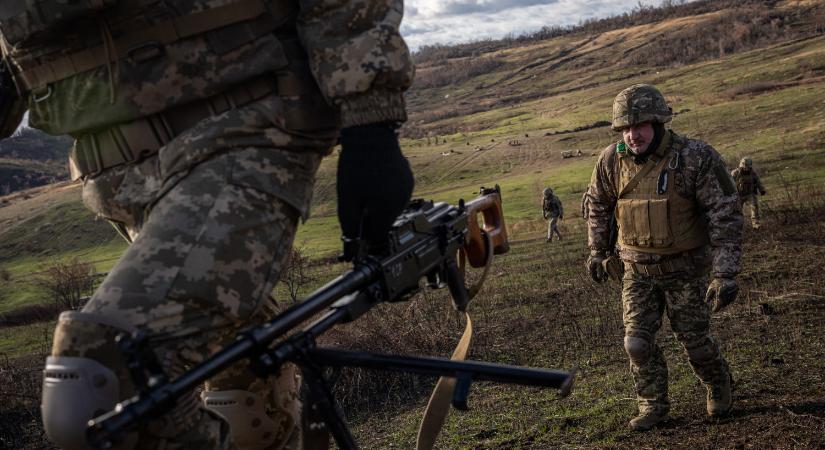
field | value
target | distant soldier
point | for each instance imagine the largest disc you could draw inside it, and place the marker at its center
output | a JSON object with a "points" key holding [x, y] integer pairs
{"points": [[552, 210], [677, 213], [748, 185]]}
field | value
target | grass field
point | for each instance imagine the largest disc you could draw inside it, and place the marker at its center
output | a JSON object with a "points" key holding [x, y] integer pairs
{"points": [[538, 308]]}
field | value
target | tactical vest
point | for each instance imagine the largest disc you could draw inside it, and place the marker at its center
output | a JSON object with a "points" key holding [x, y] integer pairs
{"points": [[652, 216], [130, 75], [745, 182], [92, 63]]}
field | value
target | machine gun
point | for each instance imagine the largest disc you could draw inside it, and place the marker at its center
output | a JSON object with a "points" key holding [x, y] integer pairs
{"points": [[424, 243]]}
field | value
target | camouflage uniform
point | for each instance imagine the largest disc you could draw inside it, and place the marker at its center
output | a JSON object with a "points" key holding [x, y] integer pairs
{"points": [[661, 279], [748, 185], [552, 210], [211, 210]]}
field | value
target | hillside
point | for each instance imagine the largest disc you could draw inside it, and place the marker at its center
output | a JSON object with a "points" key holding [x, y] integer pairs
{"points": [[32, 158], [747, 77]]}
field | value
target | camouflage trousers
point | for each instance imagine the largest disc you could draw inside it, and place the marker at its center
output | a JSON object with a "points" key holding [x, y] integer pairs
{"points": [[553, 228], [208, 243], [645, 299], [753, 200]]}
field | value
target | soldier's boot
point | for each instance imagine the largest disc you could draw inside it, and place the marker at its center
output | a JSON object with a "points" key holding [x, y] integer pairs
{"points": [[648, 418], [720, 398]]}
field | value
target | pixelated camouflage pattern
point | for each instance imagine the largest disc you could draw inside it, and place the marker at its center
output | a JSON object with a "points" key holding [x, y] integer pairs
{"points": [[354, 51], [212, 217], [702, 177], [638, 104], [682, 297], [553, 210]]}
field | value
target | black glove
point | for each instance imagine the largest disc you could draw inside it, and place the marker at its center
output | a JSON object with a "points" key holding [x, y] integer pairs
{"points": [[374, 183], [595, 267], [12, 107], [721, 292]]}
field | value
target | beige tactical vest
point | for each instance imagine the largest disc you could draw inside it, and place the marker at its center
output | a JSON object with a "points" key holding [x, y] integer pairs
{"points": [[745, 183], [652, 216]]}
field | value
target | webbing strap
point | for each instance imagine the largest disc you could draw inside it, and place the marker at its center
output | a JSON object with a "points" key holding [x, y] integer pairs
{"points": [[155, 36], [652, 163], [439, 405]]}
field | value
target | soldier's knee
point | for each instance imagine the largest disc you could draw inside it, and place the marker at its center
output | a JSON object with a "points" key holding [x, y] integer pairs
{"points": [[84, 377], [249, 424], [637, 349], [702, 352]]}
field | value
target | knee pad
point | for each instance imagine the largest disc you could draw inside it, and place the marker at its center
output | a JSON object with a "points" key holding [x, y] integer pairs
{"points": [[250, 426], [84, 377], [637, 349], [703, 352]]}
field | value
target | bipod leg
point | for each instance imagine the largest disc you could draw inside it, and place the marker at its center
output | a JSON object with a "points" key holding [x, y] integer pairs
{"points": [[323, 403]]}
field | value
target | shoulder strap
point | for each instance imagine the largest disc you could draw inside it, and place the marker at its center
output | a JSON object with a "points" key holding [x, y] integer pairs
{"points": [[653, 162]]}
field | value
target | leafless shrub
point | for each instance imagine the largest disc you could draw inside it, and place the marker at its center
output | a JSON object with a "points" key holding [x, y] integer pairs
{"points": [[67, 283], [296, 274]]}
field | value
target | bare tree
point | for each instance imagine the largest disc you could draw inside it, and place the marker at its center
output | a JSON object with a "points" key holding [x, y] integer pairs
{"points": [[68, 283], [296, 273]]}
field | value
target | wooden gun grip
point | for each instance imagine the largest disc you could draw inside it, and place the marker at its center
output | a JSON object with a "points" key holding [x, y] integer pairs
{"points": [[492, 218]]}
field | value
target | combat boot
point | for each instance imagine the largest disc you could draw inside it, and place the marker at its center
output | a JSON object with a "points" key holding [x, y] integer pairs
{"points": [[720, 398], [648, 419]]}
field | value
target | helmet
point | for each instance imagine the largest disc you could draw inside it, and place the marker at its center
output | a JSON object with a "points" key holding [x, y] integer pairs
{"points": [[638, 104], [548, 192], [746, 163]]}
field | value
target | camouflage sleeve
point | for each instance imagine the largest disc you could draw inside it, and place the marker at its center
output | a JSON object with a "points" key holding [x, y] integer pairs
{"points": [[756, 178], [716, 195], [358, 57], [561, 207], [600, 200]]}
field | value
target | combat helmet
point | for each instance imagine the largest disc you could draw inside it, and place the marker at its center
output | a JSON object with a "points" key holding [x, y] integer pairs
{"points": [[746, 163], [548, 192], [638, 104]]}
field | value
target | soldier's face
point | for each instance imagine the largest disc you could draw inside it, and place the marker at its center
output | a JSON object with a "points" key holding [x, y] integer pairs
{"points": [[638, 137]]}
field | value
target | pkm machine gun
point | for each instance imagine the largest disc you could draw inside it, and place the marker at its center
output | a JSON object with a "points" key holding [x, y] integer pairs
{"points": [[424, 243]]}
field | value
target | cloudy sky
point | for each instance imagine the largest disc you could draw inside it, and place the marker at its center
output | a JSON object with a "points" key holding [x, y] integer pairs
{"points": [[452, 21]]}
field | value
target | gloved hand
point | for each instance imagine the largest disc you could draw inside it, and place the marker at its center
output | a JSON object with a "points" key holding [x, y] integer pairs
{"points": [[721, 292], [595, 267], [374, 183]]}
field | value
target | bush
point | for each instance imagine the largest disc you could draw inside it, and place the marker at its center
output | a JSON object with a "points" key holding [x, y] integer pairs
{"points": [[68, 283]]}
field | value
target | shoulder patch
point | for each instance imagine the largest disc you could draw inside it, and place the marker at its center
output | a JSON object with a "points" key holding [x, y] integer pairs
{"points": [[621, 147], [725, 180]]}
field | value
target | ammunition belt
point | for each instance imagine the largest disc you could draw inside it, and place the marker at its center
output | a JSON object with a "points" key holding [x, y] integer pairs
{"points": [[132, 141], [683, 263]]}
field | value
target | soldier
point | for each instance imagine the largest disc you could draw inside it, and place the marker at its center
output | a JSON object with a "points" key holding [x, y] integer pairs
{"points": [[553, 211], [677, 214], [199, 127], [748, 184]]}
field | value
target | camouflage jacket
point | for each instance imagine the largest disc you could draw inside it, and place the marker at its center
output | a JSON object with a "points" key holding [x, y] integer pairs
{"points": [[86, 65], [747, 183], [703, 178], [551, 206]]}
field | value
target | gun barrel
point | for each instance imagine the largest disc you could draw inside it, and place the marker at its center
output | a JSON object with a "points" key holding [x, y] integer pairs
{"points": [[478, 371]]}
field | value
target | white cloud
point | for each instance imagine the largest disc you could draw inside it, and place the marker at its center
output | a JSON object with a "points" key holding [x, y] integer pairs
{"points": [[428, 22]]}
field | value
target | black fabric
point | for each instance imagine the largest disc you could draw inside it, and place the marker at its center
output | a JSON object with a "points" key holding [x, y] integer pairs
{"points": [[12, 107], [658, 134], [374, 183]]}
